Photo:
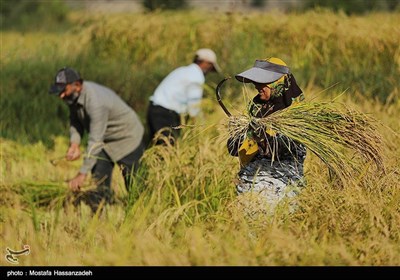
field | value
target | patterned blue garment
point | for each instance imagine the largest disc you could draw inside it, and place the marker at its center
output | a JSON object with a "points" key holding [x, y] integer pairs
{"points": [[274, 179]]}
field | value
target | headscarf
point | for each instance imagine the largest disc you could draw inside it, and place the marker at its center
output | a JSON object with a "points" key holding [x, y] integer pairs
{"points": [[284, 91], [283, 96]]}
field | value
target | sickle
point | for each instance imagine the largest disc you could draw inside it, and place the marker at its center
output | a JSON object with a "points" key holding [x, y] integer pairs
{"points": [[218, 93]]}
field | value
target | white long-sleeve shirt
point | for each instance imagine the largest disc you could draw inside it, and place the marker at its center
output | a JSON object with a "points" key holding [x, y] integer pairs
{"points": [[181, 91]]}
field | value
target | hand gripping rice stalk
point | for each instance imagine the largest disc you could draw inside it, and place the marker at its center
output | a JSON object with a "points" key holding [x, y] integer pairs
{"points": [[344, 139]]}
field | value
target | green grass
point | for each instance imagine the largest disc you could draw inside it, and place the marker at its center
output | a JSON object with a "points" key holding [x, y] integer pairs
{"points": [[183, 210]]}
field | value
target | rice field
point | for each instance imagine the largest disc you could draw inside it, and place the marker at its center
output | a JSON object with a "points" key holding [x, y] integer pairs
{"points": [[183, 209]]}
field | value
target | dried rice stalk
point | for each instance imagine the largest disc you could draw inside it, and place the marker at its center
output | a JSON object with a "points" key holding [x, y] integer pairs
{"points": [[339, 136]]}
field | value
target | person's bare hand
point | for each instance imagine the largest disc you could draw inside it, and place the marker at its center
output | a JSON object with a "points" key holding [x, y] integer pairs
{"points": [[76, 183], [73, 152]]}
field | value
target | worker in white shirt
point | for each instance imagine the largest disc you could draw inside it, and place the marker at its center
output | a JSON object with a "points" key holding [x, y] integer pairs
{"points": [[179, 93]]}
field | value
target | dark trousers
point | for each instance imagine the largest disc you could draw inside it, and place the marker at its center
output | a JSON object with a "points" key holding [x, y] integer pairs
{"points": [[163, 120], [102, 174]]}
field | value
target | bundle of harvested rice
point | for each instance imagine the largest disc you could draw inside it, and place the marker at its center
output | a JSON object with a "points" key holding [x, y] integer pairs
{"points": [[341, 137], [42, 194], [50, 194]]}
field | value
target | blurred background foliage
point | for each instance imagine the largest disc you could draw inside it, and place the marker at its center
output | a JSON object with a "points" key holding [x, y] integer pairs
{"points": [[164, 4], [354, 6], [132, 52], [34, 14], [25, 15]]}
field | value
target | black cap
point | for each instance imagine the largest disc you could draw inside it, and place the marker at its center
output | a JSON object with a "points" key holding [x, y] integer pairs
{"points": [[64, 77]]}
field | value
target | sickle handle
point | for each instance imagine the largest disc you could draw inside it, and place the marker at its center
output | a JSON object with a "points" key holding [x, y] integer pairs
{"points": [[218, 93]]}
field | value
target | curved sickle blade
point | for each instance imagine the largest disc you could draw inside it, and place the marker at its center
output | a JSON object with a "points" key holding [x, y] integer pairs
{"points": [[218, 93]]}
